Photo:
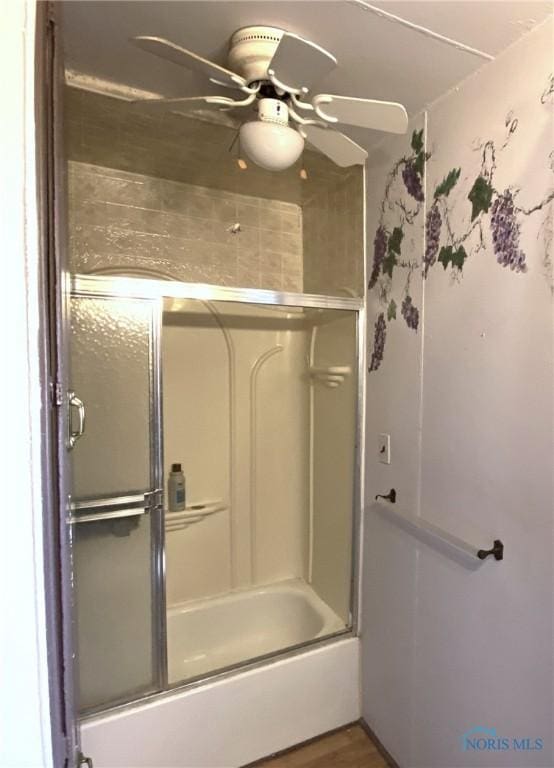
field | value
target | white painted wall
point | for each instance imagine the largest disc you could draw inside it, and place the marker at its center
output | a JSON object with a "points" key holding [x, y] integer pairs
{"points": [[25, 740], [468, 402]]}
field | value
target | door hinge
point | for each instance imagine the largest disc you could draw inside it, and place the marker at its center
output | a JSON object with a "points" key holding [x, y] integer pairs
{"points": [[56, 394], [83, 760]]}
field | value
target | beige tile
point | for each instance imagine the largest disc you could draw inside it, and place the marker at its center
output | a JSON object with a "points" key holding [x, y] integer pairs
{"points": [[291, 243], [224, 210], [248, 215], [201, 206], [248, 241], [270, 241], [291, 222], [270, 261], [270, 216], [135, 219], [292, 282], [291, 262], [248, 279], [271, 281]]}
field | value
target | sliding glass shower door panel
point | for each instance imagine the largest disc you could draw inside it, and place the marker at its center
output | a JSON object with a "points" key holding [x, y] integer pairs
{"points": [[115, 503], [111, 375]]}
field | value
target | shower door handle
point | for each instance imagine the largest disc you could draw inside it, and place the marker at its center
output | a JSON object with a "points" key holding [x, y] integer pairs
{"points": [[95, 510], [74, 435]]}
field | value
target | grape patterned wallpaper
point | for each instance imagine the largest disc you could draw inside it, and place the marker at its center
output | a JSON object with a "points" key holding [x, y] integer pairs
{"points": [[494, 223]]}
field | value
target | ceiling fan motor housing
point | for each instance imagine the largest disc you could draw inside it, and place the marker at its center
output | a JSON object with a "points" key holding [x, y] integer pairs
{"points": [[251, 51], [273, 111]]}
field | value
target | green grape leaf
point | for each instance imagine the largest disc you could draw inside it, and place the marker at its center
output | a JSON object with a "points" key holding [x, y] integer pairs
{"points": [[445, 255], [448, 183], [391, 311], [419, 163], [417, 141], [458, 257], [395, 240], [480, 196], [389, 263]]}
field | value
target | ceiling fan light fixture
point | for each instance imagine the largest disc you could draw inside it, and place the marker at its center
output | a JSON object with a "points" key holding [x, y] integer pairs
{"points": [[272, 146], [275, 71]]}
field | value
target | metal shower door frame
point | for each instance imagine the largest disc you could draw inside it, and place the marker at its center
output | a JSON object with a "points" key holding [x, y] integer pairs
{"points": [[157, 291], [157, 529]]}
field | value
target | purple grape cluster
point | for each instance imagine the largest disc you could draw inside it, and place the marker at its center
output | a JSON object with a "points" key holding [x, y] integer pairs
{"points": [[410, 313], [379, 337], [412, 181], [432, 237], [379, 252], [505, 233]]}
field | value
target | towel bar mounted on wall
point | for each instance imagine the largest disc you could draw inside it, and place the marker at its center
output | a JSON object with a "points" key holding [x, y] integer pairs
{"points": [[458, 549]]}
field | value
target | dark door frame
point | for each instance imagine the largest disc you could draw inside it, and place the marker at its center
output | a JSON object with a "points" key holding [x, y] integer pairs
{"points": [[50, 173]]}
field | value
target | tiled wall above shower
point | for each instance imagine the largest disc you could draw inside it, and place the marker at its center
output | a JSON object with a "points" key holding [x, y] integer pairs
{"points": [[333, 238], [134, 223], [158, 195]]}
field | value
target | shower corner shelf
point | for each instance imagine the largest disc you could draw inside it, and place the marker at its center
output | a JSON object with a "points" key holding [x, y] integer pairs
{"points": [[193, 513], [331, 376]]}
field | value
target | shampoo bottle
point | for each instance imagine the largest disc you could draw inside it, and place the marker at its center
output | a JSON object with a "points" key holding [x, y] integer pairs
{"points": [[176, 496]]}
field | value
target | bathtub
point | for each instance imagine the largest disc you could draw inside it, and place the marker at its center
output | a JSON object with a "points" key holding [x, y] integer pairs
{"points": [[211, 634]]}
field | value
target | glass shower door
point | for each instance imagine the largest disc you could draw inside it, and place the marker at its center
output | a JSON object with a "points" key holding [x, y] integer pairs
{"points": [[116, 500]]}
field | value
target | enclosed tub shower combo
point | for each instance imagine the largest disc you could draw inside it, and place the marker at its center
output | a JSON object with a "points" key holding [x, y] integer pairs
{"points": [[215, 320], [259, 405]]}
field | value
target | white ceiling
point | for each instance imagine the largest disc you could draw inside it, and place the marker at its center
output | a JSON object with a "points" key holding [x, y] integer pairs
{"points": [[378, 57]]}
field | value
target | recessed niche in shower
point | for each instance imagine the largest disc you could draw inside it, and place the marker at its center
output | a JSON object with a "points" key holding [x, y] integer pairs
{"points": [[259, 408]]}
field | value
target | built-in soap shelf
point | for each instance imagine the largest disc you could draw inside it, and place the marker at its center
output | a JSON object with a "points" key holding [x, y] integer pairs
{"points": [[331, 376], [193, 513]]}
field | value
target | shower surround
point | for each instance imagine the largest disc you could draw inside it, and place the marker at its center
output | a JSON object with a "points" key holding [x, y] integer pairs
{"points": [[265, 432]]}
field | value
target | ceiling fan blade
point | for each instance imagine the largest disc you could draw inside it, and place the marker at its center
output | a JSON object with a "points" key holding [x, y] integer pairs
{"points": [[188, 104], [174, 53], [367, 113], [338, 147], [297, 64]]}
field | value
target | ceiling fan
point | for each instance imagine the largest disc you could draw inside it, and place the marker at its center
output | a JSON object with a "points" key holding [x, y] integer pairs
{"points": [[275, 71]]}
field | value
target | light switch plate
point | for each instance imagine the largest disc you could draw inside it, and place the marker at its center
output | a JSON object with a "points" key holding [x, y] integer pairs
{"points": [[383, 448]]}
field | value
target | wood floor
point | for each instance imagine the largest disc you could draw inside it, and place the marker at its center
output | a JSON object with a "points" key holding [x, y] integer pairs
{"points": [[348, 748]]}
